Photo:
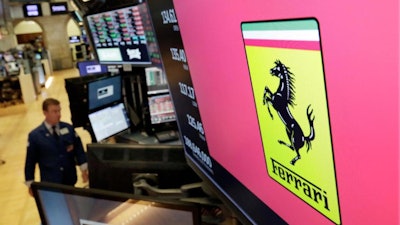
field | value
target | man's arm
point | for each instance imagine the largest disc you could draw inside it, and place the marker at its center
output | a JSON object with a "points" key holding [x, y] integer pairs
{"points": [[81, 159], [80, 153], [30, 163], [31, 159]]}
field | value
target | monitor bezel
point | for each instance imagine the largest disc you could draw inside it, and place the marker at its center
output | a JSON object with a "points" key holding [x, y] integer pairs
{"points": [[90, 85], [108, 195], [25, 10], [82, 66], [128, 122], [55, 12], [151, 114], [95, 49], [164, 160], [74, 39]]}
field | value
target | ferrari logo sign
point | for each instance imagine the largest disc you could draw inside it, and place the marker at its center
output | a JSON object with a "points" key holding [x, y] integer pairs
{"points": [[286, 70]]}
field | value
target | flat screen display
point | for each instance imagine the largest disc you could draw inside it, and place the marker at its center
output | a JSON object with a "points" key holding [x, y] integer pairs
{"points": [[161, 109], [119, 36], [104, 91], [32, 10], [109, 121], [57, 8], [166, 161], [74, 39], [156, 80], [65, 205], [91, 67]]}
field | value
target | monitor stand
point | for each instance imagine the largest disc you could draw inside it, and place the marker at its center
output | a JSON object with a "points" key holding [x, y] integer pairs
{"points": [[213, 210]]}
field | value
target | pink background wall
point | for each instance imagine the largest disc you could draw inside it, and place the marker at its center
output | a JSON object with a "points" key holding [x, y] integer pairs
{"points": [[360, 45]]}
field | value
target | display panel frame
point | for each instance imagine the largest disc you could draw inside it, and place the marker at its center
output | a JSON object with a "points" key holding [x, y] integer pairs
{"points": [[58, 8], [165, 162], [104, 92], [161, 109], [32, 10], [129, 44], [65, 193], [109, 121]]}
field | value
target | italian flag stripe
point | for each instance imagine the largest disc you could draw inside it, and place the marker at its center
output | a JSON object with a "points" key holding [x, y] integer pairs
{"points": [[295, 34]]}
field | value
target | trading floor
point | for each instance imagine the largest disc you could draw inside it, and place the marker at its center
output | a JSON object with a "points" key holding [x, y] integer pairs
{"points": [[16, 121]]}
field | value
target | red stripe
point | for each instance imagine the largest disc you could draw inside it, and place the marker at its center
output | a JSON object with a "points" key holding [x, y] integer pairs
{"points": [[304, 45]]}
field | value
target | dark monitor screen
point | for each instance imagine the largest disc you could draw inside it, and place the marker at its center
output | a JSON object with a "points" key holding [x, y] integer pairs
{"points": [[57, 8], [78, 48], [79, 55], [109, 121], [104, 91], [161, 109], [32, 10], [91, 67], [65, 205], [166, 161], [119, 36]]}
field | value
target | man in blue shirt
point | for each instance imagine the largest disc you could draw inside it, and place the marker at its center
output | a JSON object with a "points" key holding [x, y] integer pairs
{"points": [[56, 148]]}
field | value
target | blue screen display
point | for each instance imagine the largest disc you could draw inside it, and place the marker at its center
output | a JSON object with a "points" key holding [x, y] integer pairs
{"points": [[104, 91]]}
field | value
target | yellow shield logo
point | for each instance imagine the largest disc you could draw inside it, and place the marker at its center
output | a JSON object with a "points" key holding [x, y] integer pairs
{"points": [[286, 69]]}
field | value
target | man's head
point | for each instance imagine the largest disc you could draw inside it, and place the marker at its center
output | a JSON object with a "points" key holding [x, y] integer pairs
{"points": [[51, 110]]}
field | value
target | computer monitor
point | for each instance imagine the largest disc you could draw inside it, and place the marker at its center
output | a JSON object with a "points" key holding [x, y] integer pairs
{"points": [[91, 67], [32, 10], [160, 115], [104, 91], [115, 166], [65, 205], [119, 36], [156, 81], [161, 109], [57, 8], [74, 39], [77, 90], [109, 121], [78, 48]]}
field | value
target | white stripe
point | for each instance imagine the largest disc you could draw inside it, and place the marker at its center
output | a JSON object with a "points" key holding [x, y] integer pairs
{"points": [[295, 35]]}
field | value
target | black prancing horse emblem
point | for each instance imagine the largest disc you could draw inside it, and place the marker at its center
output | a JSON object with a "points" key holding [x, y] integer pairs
{"points": [[281, 100]]}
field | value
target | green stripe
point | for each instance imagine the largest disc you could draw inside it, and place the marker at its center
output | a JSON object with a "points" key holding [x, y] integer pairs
{"points": [[307, 24]]}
